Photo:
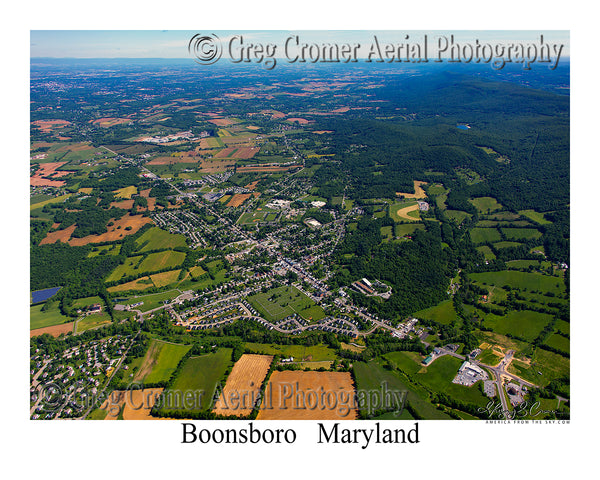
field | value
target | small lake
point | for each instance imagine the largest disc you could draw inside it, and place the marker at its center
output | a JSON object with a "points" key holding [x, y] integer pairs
{"points": [[43, 295], [463, 127]]}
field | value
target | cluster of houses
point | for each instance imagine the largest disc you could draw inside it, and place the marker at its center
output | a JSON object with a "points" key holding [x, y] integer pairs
{"points": [[75, 376]]}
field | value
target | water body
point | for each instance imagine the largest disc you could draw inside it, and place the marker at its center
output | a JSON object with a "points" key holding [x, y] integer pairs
{"points": [[42, 295], [463, 127]]}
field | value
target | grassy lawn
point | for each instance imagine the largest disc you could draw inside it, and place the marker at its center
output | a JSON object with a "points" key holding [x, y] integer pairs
{"points": [[281, 302], [160, 361], [442, 313], [524, 323], [52, 316], [158, 239], [372, 376], [313, 353], [199, 375]]}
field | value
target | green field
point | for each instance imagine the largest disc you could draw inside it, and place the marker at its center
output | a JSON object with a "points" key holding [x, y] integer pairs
{"points": [[394, 207], [524, 323], [158, 239], [86, 302], [160, 260], [438, 377], [408, 228], [457, 215], [489, 357], [500, 245], [129, 268], [521, 264], [372, 376], [408, 362], [535, 216], [107, 249], [522, 280], [160, 361], [521, 233], [487, 252], [559, 342], [435, 189], [281, 302], [442, 313], [52, 316], [92, 321], [200, 376], [485, 235], [563, 327], [313, 353], [252, 218], [387, 233], [150, 301], [486, 204], [41, 204], [550, 365]]}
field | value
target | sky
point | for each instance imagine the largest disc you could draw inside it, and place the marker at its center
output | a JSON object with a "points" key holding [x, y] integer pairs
{"points": [[174, 43]]}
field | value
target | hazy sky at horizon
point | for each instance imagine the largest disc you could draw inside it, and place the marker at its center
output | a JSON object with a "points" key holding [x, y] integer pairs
{"points": [[174, 43]]}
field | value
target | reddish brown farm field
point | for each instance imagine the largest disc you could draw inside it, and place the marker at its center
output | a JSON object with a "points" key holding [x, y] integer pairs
{"points": [[115, 232], [266, 169], [47, 126], [296, 395], [222, 122], [124, 204], [301, 121], [47, 170], [238, 199], [55, 330], [110, 121], [173, 160], [135, 404], [59, 235]]}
